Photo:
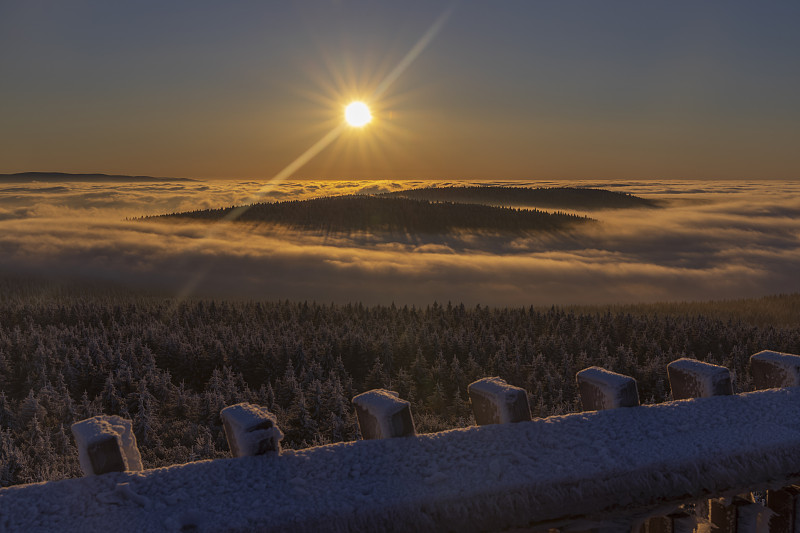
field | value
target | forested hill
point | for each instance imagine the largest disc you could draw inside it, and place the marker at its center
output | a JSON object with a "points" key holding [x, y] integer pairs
{"points": [[59, 177], [370, 213], [555, 197]]}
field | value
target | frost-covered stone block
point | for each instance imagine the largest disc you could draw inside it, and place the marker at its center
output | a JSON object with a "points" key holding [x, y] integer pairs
{"points": [[383, 415], [773, 370], [106, 444], [689, 378], [251, 430], [784, 503], [496, 402], [602, 389]]}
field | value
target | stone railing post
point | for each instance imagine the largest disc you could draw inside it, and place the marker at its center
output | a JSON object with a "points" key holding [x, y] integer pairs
{"points": [[251, 430], [602, 389], [689, 378], [383, 415], [496, 402], [106, 443], [772, 370]]}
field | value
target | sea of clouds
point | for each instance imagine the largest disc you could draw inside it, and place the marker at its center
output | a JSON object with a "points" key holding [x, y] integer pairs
{"points": [[713, 239]]}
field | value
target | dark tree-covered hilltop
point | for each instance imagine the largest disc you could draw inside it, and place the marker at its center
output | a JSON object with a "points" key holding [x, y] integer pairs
{"points": [[555, 197], [59, 177], [342, 214]]}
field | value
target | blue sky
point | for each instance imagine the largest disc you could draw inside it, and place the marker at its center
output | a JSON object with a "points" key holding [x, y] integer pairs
{"points": [[536, 90]]}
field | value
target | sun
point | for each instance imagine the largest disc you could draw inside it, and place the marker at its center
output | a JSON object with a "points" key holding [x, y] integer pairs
{"points": [[357, 114]]}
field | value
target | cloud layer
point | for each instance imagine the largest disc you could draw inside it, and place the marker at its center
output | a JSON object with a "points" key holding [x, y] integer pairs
{"points": [[713, 240]]}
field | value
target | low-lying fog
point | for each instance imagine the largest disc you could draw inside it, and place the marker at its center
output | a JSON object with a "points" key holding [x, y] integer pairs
{"points": [[715, 239]]}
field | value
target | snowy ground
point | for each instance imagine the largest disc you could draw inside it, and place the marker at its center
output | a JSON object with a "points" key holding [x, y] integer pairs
{"points": [[592, 465]]}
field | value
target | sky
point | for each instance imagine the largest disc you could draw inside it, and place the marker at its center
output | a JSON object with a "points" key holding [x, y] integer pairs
{"points": [[498, 90]]}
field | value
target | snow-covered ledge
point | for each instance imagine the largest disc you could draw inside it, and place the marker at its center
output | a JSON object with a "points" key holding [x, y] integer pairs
{"points": [[608, 465]]}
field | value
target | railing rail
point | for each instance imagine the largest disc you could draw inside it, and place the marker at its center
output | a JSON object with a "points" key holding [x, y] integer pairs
{"points": [[608, 469]]}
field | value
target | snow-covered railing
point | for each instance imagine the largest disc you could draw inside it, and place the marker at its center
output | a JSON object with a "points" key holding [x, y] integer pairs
{"points": [[649, 468]]}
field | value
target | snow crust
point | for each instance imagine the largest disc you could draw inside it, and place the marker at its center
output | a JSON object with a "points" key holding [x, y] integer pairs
{"points": [[251, 430], [616, 390], [601, 466], [99, 428]]}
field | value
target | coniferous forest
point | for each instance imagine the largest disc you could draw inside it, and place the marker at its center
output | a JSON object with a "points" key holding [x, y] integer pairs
{"points": [[170, 366], [550, 197]]}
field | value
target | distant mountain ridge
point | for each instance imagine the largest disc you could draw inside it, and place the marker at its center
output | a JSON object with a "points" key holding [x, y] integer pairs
{"points": [[354, 213], [56, 177], [552, 197]]}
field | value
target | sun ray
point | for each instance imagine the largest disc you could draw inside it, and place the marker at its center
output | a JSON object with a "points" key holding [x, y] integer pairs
{"points": [[325, 141]]}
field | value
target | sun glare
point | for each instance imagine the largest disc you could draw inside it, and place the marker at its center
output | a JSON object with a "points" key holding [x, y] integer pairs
{"points": [[357, 114]]}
